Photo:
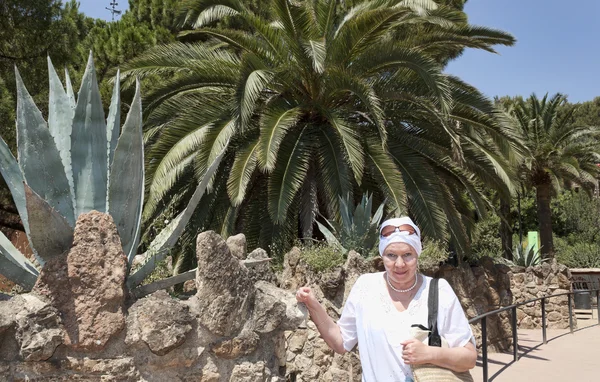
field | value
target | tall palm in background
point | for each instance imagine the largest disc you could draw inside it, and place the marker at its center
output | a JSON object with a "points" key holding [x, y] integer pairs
{"points": [[321, 99], [558, 153]]}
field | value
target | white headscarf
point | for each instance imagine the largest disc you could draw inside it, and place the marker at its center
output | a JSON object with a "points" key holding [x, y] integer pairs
{"points": [[400, 237]]}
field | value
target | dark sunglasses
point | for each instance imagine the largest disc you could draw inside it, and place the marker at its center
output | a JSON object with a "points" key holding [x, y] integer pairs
{"points": [[390, 229]]}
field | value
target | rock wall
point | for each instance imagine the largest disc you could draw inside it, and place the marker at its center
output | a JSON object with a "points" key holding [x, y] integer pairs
{"points": [[241, 324], [232, 329], [533, 282]]}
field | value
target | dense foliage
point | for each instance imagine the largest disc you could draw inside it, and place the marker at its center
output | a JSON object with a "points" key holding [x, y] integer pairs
{"points": [[318, 99]]}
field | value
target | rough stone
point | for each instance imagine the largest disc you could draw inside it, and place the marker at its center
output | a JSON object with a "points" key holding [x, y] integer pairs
{"points": [[248, 372], [297, 340], [159, 321], [244, 344], [261, 271], [39, 330], [225, 293], [292, 277], [275, 308], [331, 281], [189, 286], [86, 284], [7, 315], [237, 245]]}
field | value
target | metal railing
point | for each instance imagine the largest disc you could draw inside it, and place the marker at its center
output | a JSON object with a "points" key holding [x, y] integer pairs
{"points": [[513, 308]]}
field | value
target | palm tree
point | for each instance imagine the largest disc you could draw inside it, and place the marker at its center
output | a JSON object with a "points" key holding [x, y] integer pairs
{"points": [[558, 152], [322, 99]]}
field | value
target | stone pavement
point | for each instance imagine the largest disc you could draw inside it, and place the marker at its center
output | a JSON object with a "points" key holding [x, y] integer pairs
{"points": [[566, 357]]}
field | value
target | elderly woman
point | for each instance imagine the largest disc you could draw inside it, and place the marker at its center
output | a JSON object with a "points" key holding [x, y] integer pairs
{"points": [[382, 307]]}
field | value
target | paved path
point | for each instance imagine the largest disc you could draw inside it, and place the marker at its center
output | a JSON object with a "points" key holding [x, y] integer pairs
{"points": [[566, 357]]}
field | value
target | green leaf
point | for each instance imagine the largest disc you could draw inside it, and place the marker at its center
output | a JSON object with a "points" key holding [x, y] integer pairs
{"points": [[70, 92], [51, 234], [15, 266], [89, 146], [317, 52], [126, 190], [14, 180], [288, 175], [334, 170], [387, 172], [39, 158], [60, 121], [330, 237], [349, 136], [113, 122], [274, 125], [167, 238], [241, 172]]}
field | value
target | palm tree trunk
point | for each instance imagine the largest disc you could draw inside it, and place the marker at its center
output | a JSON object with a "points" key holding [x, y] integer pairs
{"points": [[545, 219], [506, 229]]}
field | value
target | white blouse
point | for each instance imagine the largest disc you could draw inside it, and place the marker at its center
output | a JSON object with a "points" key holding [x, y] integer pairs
{"points": [[370, 319]]}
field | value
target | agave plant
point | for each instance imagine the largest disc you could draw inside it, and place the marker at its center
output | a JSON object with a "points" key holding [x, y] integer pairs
{"points": [[75, 163], [527, 255], [358, 230]]}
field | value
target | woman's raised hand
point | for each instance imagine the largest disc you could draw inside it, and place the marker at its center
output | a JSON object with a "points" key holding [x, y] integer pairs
{"points": [[306, 296]]}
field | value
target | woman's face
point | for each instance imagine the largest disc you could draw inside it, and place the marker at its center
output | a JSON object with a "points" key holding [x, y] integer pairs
{"points": [[400, 261]]}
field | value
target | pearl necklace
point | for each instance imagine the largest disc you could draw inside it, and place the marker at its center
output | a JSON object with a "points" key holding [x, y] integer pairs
{"points": [[401, 290]]}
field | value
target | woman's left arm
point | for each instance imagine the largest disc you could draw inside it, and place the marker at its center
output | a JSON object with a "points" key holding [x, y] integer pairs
{"points": [[458, 359]]}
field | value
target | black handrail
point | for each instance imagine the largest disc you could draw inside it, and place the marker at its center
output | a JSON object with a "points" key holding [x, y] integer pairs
{"points": [[513, 308]]}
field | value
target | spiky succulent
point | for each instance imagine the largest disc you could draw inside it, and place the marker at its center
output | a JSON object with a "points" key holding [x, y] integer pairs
{"points": [[75, 163]]}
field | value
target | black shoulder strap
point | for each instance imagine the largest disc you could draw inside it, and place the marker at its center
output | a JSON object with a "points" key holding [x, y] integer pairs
{"points": [[432, 306]]}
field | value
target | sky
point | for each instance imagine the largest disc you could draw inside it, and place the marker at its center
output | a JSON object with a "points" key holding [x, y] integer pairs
{"points": [[557, 47], [97, 8]]}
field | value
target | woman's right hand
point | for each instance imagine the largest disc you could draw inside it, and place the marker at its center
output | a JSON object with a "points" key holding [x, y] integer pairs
{"points": [[306, 296]]}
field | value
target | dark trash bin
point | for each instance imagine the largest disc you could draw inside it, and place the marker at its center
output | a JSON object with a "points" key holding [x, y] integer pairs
{"points": [[583, 300]]}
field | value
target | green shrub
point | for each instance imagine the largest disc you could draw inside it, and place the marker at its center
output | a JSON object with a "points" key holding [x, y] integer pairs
{"points": [[321, 257], [575, 253], [434, 253], [486, 238]]}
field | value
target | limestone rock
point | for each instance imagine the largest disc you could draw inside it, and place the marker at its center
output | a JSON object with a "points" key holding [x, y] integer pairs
{"points": [[276, 308], [159, 321], [248, 372], [244, 344], [225, 293], [237, 245], [189, 287], [7, 315], [291, 277], [297, 340], [39, 330], [87, 284], [261, 271], [331, 282]]}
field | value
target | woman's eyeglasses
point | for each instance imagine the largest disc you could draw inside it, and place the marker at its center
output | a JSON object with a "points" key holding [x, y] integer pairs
{"points": [[390, 229]]}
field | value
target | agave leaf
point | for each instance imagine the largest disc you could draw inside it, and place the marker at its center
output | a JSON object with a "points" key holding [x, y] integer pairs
{"points": [[125, 198], [60, 120], [378, 215], [361, 217], [170, 234], [15, 266], [113, 121], [345, 213], [50, 234], [88, 153], [39, 158], [14, 179], [70, 92], [330, 237]]}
